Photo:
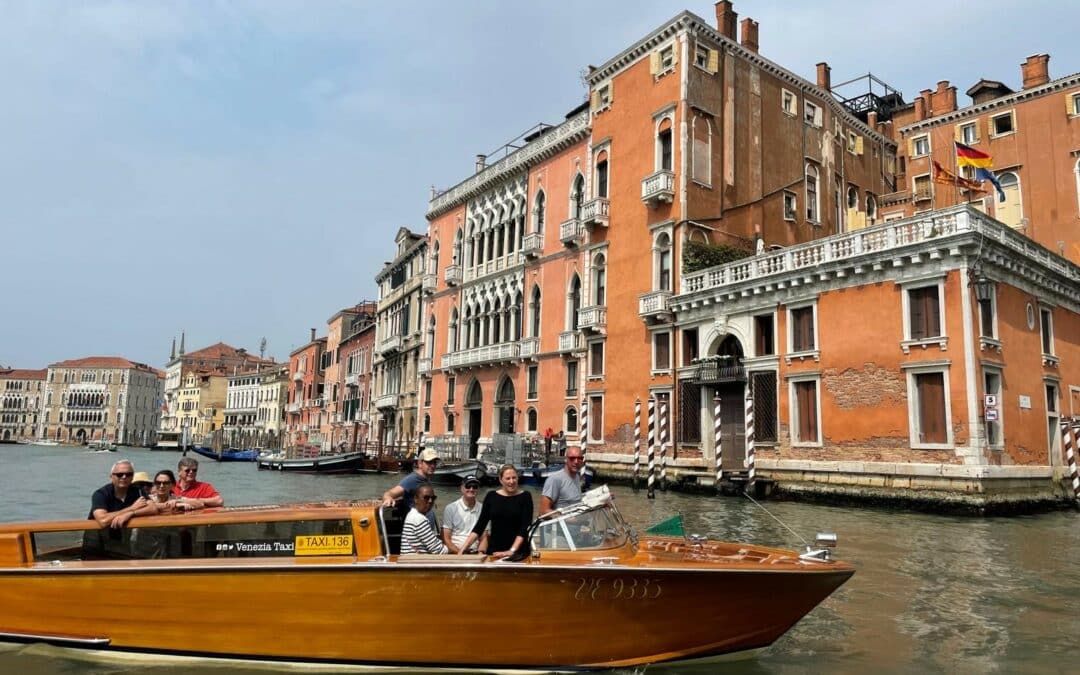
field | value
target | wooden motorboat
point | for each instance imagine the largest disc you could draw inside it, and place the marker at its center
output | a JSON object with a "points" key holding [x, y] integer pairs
{"points": [[347, 462], [323, 583], [227, 454], [455, 471]]}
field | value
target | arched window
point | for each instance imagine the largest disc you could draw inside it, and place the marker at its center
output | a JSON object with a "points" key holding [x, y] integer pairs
{"points": [[813, 198], [449, 422], [534, 313], [1010, 210], [457, 247], [602, 174], [599, 278], [435, 258], [530, 420], [574, 304], [664, 153], [871, 208], [452, 332], [852, 197], [662, 262], [539, 212], [577, 197], [430, 349], [427, 424], [497, 322], [571, 419], [518, 311]]}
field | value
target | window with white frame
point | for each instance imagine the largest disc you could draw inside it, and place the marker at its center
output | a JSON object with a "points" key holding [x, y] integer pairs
{"points": [[871, 207], [922, 187], [992, 424], [662, 262], [661, 351], [969, 133], [920, 146], [571, 378], [531, 420], [813, 195], [570, 420], [764, 335], [602, 174], [789, 102], [802, 328], [532, 389], [539, 212], [596, 418], [599, 280], [602, 97], [701, 56], [791, 206], [1053, 417], [1003, 124], [929, 415], [667, 59], [1046, 330], [988, 316], [1072, 103], [812, 114], [701, 148], [805, 407], [923, 311], [664, 145], [596, 359]]}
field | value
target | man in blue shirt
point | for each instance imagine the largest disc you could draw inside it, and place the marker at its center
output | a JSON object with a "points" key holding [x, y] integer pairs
{"points": [[426, 464]]}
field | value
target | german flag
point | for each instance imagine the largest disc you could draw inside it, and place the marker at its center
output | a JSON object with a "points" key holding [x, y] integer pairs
{"points": [[969, 156]]}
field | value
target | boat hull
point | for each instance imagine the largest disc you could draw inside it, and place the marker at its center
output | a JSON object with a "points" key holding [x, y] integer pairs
{"points": [[345, 463], [341, 611], [226, 455]]}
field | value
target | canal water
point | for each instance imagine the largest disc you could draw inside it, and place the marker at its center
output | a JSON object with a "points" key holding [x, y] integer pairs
{"points": [[933, 594]]}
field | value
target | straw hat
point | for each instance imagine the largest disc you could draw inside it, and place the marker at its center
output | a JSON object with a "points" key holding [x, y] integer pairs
{"points": [[141, 477]]}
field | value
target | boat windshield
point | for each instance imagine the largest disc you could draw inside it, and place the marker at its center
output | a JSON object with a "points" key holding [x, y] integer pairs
{"points": [[592, 524]]}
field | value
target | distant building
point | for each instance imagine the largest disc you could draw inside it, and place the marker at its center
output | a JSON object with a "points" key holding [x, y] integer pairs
{"points": [[241, 405], [102, 398], [343, 375], [398, 341], [22, 395], [201, 404], [272, 394], [305, 407]]}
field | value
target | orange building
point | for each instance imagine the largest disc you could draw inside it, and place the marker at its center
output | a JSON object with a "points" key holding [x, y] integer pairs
{"points": [[342, 375], [859, 345], [305, 408]]}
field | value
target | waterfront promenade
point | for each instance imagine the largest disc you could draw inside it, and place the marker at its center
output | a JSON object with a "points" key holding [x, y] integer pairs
{"points": [[933, 594]]}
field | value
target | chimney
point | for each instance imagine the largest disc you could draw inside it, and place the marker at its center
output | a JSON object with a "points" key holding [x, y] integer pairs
{"points": [[481, 162], [928, 102], [726, 19], [749, 34], [871, 120], [824, 76], [1035, 70], [944, 99], [920, 109], [312, 335]]}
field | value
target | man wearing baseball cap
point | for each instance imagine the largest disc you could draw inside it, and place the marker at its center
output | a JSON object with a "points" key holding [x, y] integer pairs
{"points": [[421, 475], [460, 517]]}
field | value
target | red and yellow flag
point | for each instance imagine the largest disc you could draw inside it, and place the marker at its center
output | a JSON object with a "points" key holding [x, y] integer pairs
{"points": [[969, 156]]}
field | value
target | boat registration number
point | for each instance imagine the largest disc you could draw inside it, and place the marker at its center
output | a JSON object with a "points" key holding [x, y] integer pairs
{"points": [[617, 588], [324, 544]]}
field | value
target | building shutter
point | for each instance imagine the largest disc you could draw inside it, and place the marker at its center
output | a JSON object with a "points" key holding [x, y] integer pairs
{"points": [[931, 392], [858, 145], [714, 61], [654, 63], [594, 100]]}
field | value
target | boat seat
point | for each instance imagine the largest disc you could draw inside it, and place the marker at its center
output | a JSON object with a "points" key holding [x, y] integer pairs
{"points": [[444, 559]]}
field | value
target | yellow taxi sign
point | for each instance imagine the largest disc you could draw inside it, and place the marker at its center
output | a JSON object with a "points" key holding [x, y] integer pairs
{"points": [[324, 544]]}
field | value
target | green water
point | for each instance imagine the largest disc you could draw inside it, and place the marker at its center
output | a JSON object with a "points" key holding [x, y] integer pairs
{"points": [[933, 594]]}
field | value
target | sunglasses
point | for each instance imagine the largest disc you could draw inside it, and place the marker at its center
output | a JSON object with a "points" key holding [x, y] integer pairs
{"points": [[575, 459], [472, 487], [189, 471], [123, 474], [162, 483], [428, 498]]}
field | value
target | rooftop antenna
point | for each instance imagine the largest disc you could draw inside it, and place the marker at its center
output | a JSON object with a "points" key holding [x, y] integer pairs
{"points": [[262, 348]]}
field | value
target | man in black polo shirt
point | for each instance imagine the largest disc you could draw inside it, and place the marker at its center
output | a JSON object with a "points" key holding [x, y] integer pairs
{"points": [[114, 504]]}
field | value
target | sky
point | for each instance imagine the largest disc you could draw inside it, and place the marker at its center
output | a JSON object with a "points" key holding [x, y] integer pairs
{"points": [[238, 169]]}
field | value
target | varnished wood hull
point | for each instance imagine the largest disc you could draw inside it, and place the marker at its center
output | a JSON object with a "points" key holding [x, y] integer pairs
{"points": [[486, 615]]}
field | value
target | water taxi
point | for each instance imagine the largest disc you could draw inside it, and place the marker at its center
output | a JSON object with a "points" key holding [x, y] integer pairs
{"points": [[323, 583]]}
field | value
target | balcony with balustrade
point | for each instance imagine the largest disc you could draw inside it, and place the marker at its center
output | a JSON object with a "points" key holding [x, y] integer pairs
{"points": [[429, 283], [593, 318], [657, 188], [529, 347], [478, 356], [570, 341], [595, 212], [386, 401], [452, 275], [424, 365], [299, 375], [390, 344], [722, 371], [352, 380], [653, 306], [533, 245], [570, 232]]}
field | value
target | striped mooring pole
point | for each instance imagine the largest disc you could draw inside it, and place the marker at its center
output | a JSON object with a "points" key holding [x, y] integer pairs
{"points": [[637, 443], [651, 440], [1070, 457], [584, 426], [663, 445], [750, 476], [717, 449]]}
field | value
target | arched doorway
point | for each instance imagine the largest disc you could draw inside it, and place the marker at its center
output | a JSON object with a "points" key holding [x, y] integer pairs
{"points": [[504, 406], [474, 400], [7, 434], [721, 373], [80, 436]]}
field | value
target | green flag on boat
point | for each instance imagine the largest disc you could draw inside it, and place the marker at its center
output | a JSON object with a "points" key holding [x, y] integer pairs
{"points": [[672, 527]]}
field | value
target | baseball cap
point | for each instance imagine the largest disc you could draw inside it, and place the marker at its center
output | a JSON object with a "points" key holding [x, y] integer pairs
{"points": [[429, 455], [472, 480]]}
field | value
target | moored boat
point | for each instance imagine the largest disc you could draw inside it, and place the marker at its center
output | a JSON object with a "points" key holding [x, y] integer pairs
{"points": [[227, 454], [351, 599], [347, 462], [101, 446]]}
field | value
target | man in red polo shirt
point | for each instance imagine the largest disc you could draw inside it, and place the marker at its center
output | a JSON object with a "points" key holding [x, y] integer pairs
{"points": [[192, 493]]}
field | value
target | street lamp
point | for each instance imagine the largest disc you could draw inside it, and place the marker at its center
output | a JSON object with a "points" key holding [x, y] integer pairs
{"points": [[984, 287]]}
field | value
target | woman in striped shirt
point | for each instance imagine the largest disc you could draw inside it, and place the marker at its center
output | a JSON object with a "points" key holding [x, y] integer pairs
{"points": [[418, 535]]}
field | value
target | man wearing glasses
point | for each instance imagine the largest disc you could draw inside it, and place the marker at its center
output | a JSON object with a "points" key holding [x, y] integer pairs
{"points": [[417, 536], [563, 487], [193, 494], [460, 517], [426, 464], [115, 503]]}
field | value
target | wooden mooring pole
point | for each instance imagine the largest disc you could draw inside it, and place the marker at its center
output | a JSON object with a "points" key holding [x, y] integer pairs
{"points": [[1067, 429], [750, 477]]}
